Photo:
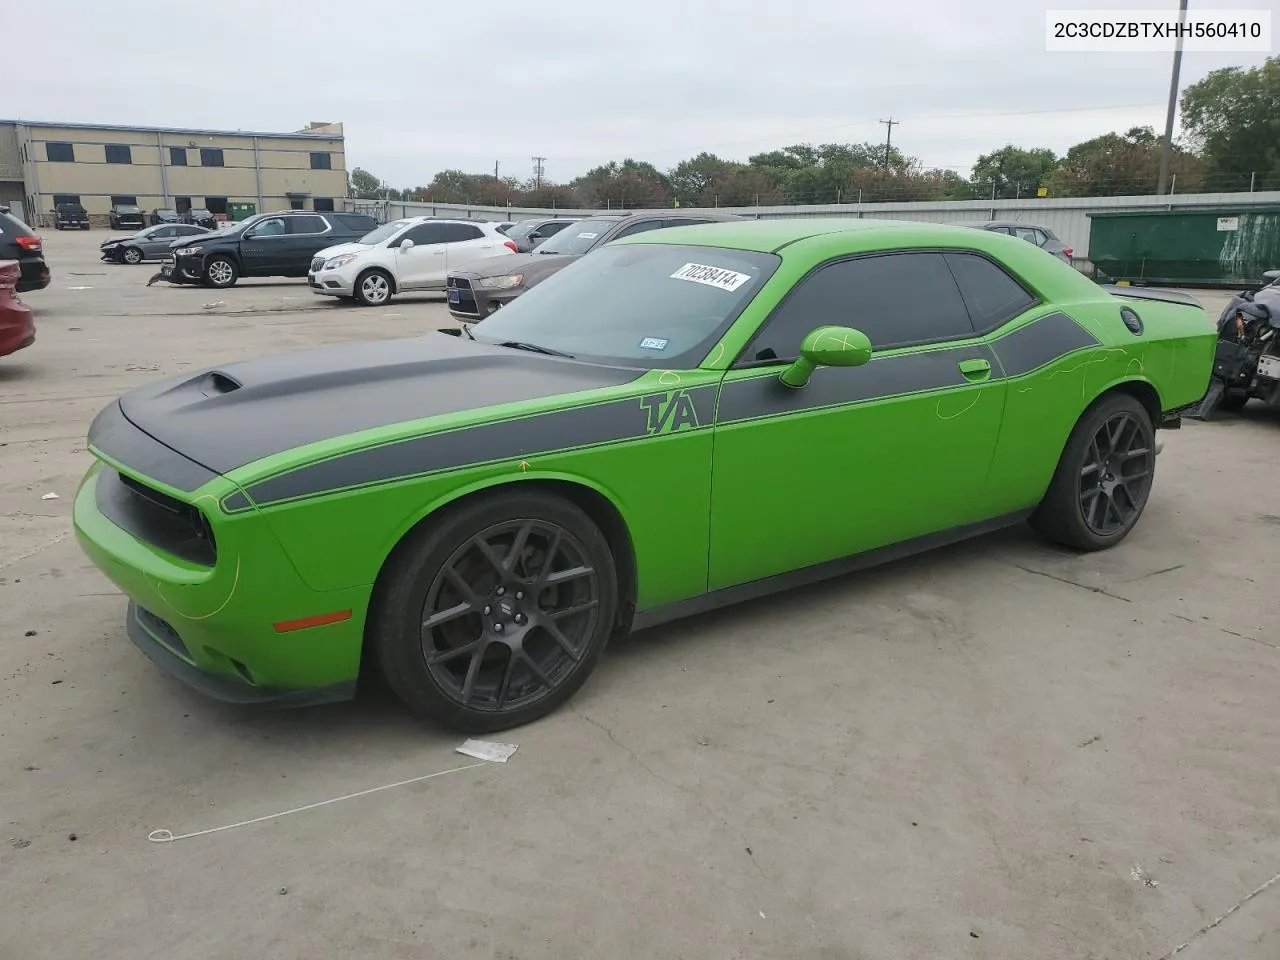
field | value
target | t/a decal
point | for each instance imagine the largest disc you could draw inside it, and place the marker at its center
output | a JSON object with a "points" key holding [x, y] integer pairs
{"points": [[669, 412]]}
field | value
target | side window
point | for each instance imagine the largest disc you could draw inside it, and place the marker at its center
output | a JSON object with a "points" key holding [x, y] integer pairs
{"points": [[1041, 238], [457, 232], [57, 152], [992, 296], [307, 225], [635, 228], [274, 227], [164, 233], [554, 227], [1000, 230], [895, 299], [322, 203], [685, 222], [423, 233]]}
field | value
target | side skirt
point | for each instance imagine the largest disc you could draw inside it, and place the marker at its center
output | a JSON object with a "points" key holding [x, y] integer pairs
{"points": [[728, 596]]}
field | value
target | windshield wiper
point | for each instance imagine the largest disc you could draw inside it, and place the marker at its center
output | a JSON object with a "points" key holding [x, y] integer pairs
{"points": [[535, 348]]}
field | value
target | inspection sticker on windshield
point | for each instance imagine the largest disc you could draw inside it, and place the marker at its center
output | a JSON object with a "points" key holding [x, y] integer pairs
{"points": [[712, 276], [653, 343]]}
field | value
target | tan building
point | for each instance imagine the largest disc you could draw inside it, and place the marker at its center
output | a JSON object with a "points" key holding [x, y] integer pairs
{"points": [[229, 173]]}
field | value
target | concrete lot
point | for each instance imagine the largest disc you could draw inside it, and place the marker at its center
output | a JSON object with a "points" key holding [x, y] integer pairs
{"points": [[999, 750]]}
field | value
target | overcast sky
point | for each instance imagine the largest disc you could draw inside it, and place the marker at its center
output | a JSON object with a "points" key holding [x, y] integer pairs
{"points": [[423, 85]]}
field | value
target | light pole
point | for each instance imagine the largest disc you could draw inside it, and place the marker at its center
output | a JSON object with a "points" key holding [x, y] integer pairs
{"points": [[1166, 150]]}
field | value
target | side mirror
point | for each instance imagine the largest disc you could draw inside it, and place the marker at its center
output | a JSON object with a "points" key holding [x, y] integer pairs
{"points": [[536, 235], [405, 245], [827, 347]]}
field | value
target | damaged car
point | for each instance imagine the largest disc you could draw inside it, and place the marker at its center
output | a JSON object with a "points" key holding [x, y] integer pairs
{"points": [[1247, 362]]}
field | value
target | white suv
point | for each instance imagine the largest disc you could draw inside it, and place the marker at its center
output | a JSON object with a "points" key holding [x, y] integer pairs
{"points": [[416, 253]]}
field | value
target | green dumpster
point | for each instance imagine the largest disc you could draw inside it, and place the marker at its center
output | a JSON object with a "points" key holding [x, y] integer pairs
{"points": [[1211, 247], [241, 211]]}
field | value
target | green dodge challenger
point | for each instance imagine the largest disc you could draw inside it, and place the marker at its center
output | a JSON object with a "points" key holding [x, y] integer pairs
{"points": [[683, 419]]}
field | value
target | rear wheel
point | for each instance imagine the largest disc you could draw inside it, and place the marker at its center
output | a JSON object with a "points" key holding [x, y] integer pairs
{"points": [[373, 288], [220, 272], [132, 255], [496, 614], [1104, 477]]}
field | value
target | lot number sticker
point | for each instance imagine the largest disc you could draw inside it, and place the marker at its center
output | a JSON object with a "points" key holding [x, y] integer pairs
{"points": [[717, 277], [653, 343]]}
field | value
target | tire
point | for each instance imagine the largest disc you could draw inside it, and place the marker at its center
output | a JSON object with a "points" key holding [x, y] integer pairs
{"points": [[132, 256], [480, 630], [1078, 512], [373, 288], [220, 273]]}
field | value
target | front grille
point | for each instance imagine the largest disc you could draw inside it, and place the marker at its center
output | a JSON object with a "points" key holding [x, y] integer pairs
{"points": [[466, 302], [460, 282], [157, 518], [317, 264]]}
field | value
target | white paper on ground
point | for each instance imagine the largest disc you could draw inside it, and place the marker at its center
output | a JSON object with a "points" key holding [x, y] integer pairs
{"points": [[487, 750]]}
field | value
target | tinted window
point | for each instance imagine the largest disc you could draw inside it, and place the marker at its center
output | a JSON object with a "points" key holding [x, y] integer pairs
{"points": [[895, 299], [163, 233], [356, 221], [457, 232], [424, 233], [993, 297], [275, 227], [554, 227], [119, 153], [60, 152], [1026, 233], [187, 231], [322, 203], [321, 161], [211, 157], [685, 222], [68, 200], [641, 227], [584, 235], [307, 225], [177, 156]]}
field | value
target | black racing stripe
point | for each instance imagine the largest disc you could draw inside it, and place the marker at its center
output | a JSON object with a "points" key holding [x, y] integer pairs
{"points": [[117, 438], [599, 423], [885, 376], [1040, 342]]}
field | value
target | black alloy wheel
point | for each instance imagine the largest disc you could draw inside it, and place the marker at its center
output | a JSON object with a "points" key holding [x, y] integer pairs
{"points": [[1116, 476], [493, 613]]}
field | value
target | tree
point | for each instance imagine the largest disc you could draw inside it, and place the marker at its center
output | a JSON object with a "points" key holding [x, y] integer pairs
{"points": [[1012, 171], [1233, 117], [631, 183], [742, 186], [690, 179], [1120, 164], [550, 196], [363, 185]]}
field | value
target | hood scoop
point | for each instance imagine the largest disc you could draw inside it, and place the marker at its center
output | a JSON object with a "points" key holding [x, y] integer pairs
{"points": [[216, 383]]}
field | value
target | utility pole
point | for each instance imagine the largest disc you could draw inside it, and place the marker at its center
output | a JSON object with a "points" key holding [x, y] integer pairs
{"points": [[888, 138], [537, 172], [495, 169], [1166, 151]]}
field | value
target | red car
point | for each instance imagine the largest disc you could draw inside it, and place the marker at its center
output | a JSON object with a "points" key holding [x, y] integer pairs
{"points": [[17, 326]]}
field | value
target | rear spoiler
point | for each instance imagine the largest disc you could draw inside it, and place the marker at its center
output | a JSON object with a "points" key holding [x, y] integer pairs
{"points": [[1147, 293]]}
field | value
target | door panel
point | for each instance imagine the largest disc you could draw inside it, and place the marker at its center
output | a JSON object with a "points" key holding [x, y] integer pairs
{"points": [[860, 458], [466, 243], [423, 264], [264, 250]]}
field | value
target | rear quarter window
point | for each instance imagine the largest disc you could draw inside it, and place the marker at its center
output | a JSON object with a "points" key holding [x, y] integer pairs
{"points": [[992, 296], [358, 222]]}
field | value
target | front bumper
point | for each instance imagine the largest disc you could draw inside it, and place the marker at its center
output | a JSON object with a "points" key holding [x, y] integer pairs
{"points": [[470, 302], [182, 269], [332, 283], [215, 622]]}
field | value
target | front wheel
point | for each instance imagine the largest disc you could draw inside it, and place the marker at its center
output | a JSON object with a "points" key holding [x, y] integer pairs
{"points": [[1104, 477], [132, 255], [373, 288], [220, 273], [495, 614]]}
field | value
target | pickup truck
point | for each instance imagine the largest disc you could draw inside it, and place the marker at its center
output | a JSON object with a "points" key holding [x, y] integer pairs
{"points": [[267, 245]]}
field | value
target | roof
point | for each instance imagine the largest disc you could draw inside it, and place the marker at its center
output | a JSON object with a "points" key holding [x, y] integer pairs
{"points": [[186, 131], [770, 236]]}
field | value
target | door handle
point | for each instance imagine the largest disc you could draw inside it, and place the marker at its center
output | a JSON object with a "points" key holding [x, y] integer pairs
{"points": [[975, 368]]}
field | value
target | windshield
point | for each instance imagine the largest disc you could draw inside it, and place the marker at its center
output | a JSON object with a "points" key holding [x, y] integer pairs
{"points": [[384, 232], [125, 208], [522, 229], [578, 237], [647, 305]]}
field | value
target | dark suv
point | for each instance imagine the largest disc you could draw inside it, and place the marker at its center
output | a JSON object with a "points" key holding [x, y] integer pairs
{"points": [[201, 217], [19, 242], [477, 290], [267, 245], [127, 216], [70, 216]]}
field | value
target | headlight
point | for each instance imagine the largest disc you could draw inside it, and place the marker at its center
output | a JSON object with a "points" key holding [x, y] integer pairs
{"points": [[502, 283], [341, 261], [183, 251], [110, 246]]}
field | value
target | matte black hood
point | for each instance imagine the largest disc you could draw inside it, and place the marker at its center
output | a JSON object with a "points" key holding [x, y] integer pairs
{"points": [[227, 416]]}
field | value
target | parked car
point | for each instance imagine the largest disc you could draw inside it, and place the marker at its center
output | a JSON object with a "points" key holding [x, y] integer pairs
{"points": [[475, 293], [152, 243], [126, 216], [266, 245], [19, 242], [529, 233], [503, 226], [475, 513], [164, 215], [411, 254], [17, 325], [200, 217], [1042, 237], [70, 216]]}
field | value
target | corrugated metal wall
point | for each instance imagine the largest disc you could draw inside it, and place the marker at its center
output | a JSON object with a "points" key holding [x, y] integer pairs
{"points": [[1067, 217]]}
